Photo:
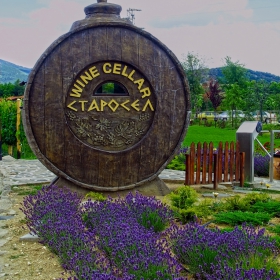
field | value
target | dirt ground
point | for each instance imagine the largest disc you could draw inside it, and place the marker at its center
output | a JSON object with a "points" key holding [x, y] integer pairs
{"points": [[32, 260], [26, 260]]}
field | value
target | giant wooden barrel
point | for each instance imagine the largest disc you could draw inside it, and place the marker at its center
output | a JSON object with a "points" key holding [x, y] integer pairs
{"points": [[107, 104]]}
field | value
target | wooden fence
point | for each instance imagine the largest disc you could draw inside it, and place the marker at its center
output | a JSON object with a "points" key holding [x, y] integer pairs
{"points": [[207, 165]]}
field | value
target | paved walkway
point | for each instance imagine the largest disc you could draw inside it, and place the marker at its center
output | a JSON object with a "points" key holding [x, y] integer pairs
{"points": [[15, 172]]}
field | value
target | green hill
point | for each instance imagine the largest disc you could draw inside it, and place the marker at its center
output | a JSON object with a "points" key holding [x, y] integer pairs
{"points": [[10, 72], [252, 75]]}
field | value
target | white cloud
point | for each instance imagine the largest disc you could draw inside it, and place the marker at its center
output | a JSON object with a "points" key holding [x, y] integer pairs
{"points": [[213, 29]]}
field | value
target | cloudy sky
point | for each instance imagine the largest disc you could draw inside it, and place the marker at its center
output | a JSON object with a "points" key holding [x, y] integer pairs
{"points": [[248, 31]]}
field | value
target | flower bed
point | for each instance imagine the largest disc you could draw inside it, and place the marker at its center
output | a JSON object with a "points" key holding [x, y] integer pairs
{"points": [[137, 238]]}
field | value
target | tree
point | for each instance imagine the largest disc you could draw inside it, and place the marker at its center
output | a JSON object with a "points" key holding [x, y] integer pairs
{"points": [[233, 99], [196, 72], [214, 93], [10, 89], [234, 83], [260, 89], [8, 117], [234, 73]]}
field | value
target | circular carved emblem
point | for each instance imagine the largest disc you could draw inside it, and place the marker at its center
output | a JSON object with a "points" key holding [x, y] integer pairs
{"points": [[110, 106]]}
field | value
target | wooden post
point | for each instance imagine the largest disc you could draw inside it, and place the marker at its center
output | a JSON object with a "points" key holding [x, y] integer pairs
{"points": [[192, 156], [231, 160], [18, 128], [219, 162], [242, 165], [198, 163], [210, 164], [226, 165], [237, 162], [188, 170], [204, 163], [10, 150], [216, 171]]}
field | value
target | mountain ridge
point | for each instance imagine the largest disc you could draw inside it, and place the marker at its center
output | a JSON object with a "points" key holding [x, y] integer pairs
{"points": [[251, 74], [10, 72]]}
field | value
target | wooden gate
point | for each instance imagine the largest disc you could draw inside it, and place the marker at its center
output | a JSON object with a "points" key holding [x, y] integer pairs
{"points": [[206, 164]]}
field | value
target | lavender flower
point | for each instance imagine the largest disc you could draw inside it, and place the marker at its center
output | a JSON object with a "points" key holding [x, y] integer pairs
{"points": [[200, 248], [261, 164]]}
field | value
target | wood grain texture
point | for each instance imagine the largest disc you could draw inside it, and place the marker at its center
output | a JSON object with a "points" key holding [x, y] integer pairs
{"points": [[65, 152]]}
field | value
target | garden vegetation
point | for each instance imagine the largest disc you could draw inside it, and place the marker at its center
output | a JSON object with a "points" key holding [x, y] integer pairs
{"points": [[138, 237]]}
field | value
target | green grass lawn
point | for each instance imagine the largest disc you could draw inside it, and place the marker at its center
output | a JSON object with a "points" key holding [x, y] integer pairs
{"points": [[200, 133], [195, 133]]}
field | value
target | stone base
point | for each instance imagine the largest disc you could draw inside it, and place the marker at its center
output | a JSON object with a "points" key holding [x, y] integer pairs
{"points": [[155, 187]]}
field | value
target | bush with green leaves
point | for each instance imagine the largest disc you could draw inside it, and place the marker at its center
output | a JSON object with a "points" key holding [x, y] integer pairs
{"points": [[252, 198], [183, 197], [275, 229], [182, 203], [8, 119], [239, 217], [178, 162], [271, 207], [236, 203], [95, 196]]}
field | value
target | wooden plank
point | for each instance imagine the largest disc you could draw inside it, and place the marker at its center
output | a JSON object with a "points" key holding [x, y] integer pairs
{"points": [[242, 167], [162, 122], [193, 158], [74, 57], [226, 158], [73, 162], [231, 160], [198, 163], [210, 163], [90, 163], [187, 171], [204, 162], [216, 171], [54, 110], [107, 175], [114, 44], [36, 113], [131, 162], [220, 161], [98, 48], [130, 46], [237, 162]]}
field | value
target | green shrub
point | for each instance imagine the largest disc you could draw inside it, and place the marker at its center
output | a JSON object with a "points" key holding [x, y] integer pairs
{"points": [[277, 240], [209, 206], [271, 207], [96, 196], [28, 190], [275, 229], [183, 197], [252, 198], [236, 203], [238, 218], [185, 215], [178, 163], [8, 119], [152, 220], [26, 152]]}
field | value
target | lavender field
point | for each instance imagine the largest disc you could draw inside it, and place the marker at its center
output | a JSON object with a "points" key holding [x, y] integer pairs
{"points": [[138, 237]]}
